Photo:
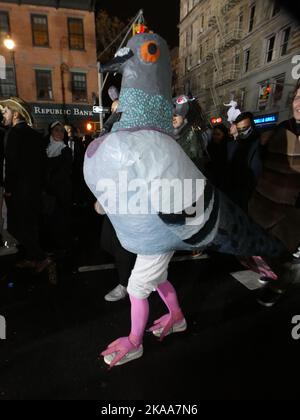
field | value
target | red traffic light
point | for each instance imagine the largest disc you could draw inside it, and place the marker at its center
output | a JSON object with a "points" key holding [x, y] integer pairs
{"points": [[89, 126], [216, 120], [139, 28]]}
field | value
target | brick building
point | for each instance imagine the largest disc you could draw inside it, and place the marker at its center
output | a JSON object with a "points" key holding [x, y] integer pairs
{"points": [[53, 65], [246, 49]]}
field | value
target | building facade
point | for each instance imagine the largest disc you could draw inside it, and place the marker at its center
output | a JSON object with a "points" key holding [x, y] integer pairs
{"points": [[53, 65], [248, 50]]}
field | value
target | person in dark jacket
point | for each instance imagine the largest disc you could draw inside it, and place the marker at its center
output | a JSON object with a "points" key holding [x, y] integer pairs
{"points": [[24, 174], [275, 204], [77, 148], [2, 135], [188, 131], [244, 161], [58, 189], [217, 150], [110, 243]]}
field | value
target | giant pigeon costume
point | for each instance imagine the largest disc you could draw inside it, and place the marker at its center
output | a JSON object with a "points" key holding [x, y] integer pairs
{"points": [[141, 147]]}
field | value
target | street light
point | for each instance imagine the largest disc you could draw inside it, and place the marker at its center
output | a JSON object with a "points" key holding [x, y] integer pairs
{"points": [[10, 44]]}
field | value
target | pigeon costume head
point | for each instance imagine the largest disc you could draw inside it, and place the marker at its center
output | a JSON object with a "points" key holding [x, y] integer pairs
{"points": [[146, 69]]}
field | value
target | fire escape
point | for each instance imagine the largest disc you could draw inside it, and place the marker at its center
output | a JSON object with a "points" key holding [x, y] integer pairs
{"points": [[227, 40]]}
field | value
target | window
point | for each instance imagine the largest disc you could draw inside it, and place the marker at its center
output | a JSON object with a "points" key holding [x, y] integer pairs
{"points": [[270, 49], [265, 90], [8, 85], [237, 60], [76, 34], [189, 36], [246, 60], [226, 28], [40, 35], [278, 89], [252, 16], [276, 8], [285, 41], [185, 8], [79, 87], [44, 84], [202, 22], [240, 21], [243, 98], [200, 53], [4, 24]]}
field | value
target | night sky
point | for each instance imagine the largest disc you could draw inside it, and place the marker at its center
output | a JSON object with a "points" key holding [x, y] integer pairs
{"points": [[165, 24]]}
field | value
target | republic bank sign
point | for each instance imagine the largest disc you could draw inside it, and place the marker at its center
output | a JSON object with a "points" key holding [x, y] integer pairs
{"points": [[42, 112]]}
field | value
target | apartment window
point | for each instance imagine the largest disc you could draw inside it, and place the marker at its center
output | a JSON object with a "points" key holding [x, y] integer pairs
{"points": [[276, 8], [8, 85], [4, 24], [246, 61], [189, 36], [252, 17], [270, 49], [79, 87], [202, 22], [76, 34], [44, 84], [226, 28], [243, 98], [241, 21], [265, 90], [185, 8], [200, 53], [40, 36], [285, 41], [278, 89]]}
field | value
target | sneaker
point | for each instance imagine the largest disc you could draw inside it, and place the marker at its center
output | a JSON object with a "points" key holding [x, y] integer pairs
{"points": [[132, 355], [264, 280], [118, 293], [179, 327], [296, 255], [8, 249], [268, 297]]}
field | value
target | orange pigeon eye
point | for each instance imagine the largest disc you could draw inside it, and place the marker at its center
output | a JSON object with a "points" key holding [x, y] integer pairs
{"points": [[150, 52]]}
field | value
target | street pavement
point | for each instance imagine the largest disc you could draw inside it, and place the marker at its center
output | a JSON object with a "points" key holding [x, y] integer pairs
{"points": [[233, 348]]}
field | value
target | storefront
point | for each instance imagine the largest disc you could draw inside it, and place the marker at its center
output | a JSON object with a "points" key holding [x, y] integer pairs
{"points": [[266, 122], [77, 115]]}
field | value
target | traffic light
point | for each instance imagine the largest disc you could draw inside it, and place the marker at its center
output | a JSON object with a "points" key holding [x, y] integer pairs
{"points": [[267, 91], [89, 126], [139, 28], [216, 120]]}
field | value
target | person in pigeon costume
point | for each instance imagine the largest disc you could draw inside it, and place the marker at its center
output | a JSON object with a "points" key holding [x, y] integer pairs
{"points": [[141, 148]]}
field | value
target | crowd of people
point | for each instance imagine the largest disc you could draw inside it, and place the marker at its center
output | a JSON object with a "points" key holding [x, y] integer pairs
{"points": [[41, 181]]}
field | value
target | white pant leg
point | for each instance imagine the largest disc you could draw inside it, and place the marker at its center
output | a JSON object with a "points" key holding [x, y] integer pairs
{"points": [[149, 271], [1, 209]]}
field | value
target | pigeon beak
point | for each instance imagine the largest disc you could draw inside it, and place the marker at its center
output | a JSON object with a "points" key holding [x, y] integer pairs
{"points": [[116, 64]]}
